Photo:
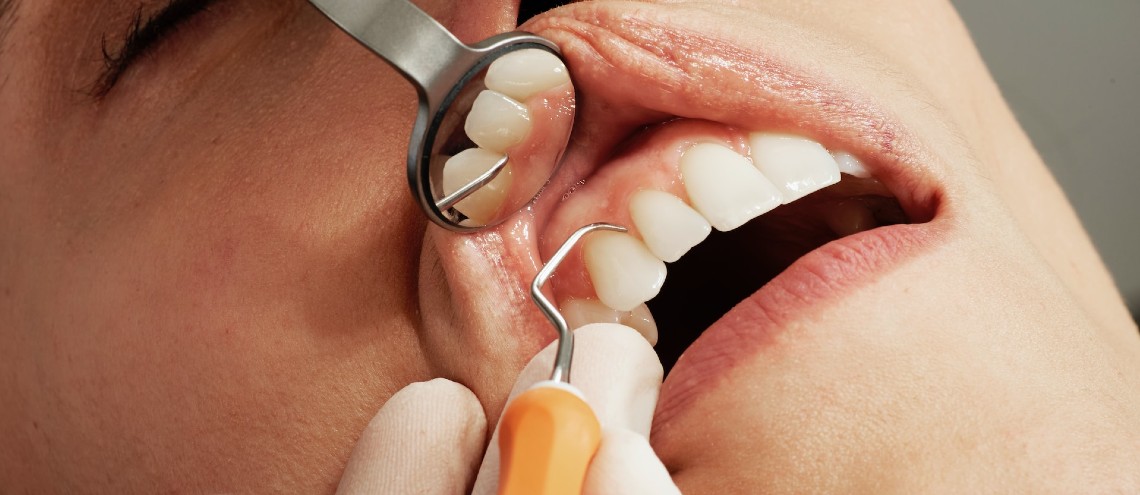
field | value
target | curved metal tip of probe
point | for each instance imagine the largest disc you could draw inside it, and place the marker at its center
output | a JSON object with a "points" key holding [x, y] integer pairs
{"points": [[561, 372], [469, 189]]}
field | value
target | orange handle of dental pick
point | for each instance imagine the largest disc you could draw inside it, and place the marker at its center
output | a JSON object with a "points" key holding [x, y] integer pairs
{"points": [[546, 441]]}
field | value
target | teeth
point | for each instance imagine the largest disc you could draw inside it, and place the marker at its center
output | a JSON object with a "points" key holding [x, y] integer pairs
{"points": [[725, 187], [483, 205], [524, 73], [497, 122], [850, 165], [624, 272], [667, 225], [849, 217], [641, 319], [797, 165], [582, 312]]}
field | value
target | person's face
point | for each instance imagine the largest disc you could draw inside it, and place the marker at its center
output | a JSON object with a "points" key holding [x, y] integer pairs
{"points": [[213, 275]]}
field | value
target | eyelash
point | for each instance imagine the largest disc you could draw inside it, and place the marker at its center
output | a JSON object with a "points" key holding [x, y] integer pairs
{"points": [[141, 37]]}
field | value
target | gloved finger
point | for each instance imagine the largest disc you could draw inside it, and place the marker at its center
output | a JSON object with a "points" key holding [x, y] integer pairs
{"points": [[616, 370], [427, 439], [626, 465]]}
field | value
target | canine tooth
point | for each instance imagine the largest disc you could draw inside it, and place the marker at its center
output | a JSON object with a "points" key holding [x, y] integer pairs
{"points": [[850, 165], [641, 319], [849, 217], [799, 166], [725, 187], [497, 122], [667, 225], [482, 205], [582, 312], [524, 73], [624, 272]]}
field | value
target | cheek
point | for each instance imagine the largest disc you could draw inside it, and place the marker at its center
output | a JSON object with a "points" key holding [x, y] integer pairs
{"points": [[212, 281]]}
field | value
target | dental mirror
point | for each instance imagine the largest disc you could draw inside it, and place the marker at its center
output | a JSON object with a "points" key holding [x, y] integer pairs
{"points": [[493, 119]]}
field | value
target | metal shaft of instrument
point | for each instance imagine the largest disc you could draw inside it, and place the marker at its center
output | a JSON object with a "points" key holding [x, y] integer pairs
{"points": [[565, 352], [469, 189]]}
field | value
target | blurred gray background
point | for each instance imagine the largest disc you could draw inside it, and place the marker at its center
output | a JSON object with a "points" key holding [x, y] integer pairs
{"points": [[1071, 71]]}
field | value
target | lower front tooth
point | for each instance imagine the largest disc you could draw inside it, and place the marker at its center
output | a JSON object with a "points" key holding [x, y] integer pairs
{"points": [[582, 312], [725, 187], [624, 272], [799, 166], [641, 319], [669, 227], [497, 122], [483, 205]]}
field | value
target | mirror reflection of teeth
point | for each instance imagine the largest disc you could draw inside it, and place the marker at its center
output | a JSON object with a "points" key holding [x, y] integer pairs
{"points": [[483, 205], [725, 190], [525, 73], [498, 120]]}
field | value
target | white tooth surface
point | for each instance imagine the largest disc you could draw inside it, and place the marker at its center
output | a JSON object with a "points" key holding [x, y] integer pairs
{"points": [[798, 166], [624, 272], [725, 187], [582, 312], [497, 122], [849, 217], [641, 319], [667, 225], [850, 165], [483, 205], [524, 73]]}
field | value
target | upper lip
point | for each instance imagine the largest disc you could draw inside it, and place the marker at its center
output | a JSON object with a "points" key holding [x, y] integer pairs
{"points": [[636, 64]]}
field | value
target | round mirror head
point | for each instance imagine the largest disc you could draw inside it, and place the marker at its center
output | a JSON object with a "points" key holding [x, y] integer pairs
{"points": [[497, 139]]}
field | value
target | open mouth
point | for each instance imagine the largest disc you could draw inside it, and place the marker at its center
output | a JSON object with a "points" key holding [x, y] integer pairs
{"points": [[715, 214], [720, 272], [754, 191]]}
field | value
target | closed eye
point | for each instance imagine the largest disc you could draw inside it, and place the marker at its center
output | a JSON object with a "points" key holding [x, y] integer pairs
{"points": [[141, 36]]}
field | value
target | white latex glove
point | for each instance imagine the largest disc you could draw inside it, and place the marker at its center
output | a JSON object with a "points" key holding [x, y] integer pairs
{"points": [[428, 438]]}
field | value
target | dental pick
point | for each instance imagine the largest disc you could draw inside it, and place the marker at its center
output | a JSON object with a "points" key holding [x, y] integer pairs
{"points": [[549, 433]]}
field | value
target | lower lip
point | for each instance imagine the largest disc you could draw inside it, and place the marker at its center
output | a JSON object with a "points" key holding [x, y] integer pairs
{"points": [[820, 277]]}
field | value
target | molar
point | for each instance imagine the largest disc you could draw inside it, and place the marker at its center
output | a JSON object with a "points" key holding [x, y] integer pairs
{"points": [[799, 166], [725, 187], [849, 217], [668, 226], [482, 206], [581, 312], [497, 121], [624, 272], [525, 73]]}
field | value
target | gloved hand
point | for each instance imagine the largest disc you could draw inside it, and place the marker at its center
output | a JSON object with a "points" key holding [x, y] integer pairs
{"points": [[428, 438]]}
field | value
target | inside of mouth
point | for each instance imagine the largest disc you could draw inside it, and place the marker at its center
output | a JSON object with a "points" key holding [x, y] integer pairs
{"points": [[729, 266]]}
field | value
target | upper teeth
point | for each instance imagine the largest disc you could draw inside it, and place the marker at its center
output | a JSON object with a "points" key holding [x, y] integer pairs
{"points": [[624, 271], [798, 166], [500, 120], [481, 206], [525, 73], [497, 121], [726, 189]]}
